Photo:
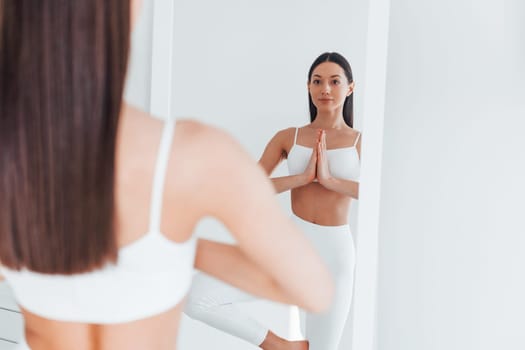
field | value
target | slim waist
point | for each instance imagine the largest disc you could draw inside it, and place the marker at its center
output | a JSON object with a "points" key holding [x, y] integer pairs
{"points": [[307, 224]]}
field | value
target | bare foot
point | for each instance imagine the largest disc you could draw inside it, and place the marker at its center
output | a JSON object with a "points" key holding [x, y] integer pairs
{"points": [[274, 342], [298, 345]]}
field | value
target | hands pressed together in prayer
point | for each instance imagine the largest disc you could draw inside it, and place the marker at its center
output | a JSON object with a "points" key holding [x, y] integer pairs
{"points": [[317, 168]]}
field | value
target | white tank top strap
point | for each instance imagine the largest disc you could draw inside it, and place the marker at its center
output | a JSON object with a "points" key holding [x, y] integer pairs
{"points": [[160, 175], [295, 138], [357, 139], [162, 269]]}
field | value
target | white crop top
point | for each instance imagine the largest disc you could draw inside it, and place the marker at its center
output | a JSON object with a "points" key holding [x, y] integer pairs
{"points": [[343, 163], [152, 274]]}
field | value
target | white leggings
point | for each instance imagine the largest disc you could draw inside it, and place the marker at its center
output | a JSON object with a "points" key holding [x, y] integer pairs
{"points": [[213, 302]]}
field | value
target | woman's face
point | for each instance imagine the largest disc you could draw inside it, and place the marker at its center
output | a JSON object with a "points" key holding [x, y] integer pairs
{"points": [[329, 87]]}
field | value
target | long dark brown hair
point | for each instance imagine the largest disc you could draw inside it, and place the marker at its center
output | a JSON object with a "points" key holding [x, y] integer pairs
{"points": [[62, 71], [348, 106]]}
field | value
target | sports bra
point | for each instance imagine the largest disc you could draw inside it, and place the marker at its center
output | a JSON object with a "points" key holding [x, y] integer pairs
{"points": [[151, 275], [343, 163]]}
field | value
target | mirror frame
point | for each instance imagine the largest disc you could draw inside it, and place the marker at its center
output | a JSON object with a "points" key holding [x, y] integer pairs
{"points": [[366, 274], [365, 291]]}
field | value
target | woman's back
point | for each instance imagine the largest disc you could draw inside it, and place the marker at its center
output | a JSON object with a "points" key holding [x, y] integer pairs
{"points": [[89, 209], [111, 304], [198, 184]]}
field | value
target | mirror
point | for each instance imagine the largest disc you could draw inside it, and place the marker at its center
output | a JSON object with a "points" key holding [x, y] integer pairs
{"points": [[242, 66]]}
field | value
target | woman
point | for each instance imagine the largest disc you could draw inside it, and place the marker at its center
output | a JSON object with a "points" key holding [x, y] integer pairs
{"points": [[99, 200], [323, 162]]}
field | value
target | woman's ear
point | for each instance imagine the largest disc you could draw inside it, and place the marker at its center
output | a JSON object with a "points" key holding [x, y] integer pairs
{"points": [[350, 89]]}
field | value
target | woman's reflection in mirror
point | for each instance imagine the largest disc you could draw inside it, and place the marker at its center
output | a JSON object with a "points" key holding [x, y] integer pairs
{"points": [[323, 159]]}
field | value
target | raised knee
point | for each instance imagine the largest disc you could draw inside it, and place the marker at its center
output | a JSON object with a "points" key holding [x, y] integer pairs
{"points": [[197, 306]]}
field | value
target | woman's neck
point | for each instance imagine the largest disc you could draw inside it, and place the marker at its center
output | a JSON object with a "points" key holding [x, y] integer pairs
{"points": [[328, 121]]}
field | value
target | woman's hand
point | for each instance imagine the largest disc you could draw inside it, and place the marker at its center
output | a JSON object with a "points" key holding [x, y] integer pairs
{"points": [[323, 172], [310, 173]]}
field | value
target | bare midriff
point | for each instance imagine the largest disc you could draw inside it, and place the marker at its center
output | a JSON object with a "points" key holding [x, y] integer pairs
{"points": [[318, 205]]}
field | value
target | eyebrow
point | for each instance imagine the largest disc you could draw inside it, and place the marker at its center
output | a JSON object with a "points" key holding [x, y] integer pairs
{"points": [[333, 76]]}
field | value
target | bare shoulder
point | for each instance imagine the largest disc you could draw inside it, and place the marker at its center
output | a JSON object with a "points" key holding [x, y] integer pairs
{"points": [[284, 138], [286, 133], [351, 132], [206, 153], [202, 140], [207, 164], [356, 137], [137, 143], [289, 133], [194, 143], [190, 129], [138, 117], [139, 130]]}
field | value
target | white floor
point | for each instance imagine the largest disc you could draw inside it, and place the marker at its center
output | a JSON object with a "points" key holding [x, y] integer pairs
{"points": [[11, 323]]}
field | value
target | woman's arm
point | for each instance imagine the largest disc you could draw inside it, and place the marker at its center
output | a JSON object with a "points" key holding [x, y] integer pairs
{"points": [[230, 264], [274, 153], [285, 183], [346, 187], [273, 259]]}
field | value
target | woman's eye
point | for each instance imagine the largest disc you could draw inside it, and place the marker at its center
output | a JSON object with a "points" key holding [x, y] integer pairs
{"points": [[316, 81], [336, 82]]}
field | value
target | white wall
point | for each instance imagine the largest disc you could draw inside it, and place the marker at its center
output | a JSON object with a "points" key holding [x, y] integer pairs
{"points": [[242, 66], [452, 234]]}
